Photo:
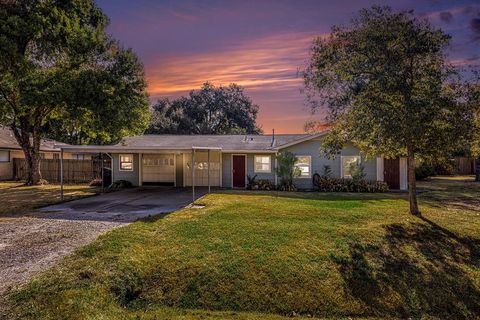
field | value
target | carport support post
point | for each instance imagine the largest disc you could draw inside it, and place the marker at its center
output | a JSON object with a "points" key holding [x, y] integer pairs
{"points": [[208, 170], [61, 174], [101, 170], [193, 175]]}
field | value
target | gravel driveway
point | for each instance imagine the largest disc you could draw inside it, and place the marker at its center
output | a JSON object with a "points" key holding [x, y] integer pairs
{"points": [[32, 243]]}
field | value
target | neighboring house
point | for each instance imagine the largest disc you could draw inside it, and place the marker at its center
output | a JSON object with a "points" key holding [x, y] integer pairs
{"points": [[167, 159], [10, 149]]}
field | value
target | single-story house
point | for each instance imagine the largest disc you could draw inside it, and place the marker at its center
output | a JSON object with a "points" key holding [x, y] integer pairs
{"points": [[167, 160], [10, 149]]}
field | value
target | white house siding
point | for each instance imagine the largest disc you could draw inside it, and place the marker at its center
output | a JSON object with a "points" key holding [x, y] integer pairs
{"points": [[201, 172]]}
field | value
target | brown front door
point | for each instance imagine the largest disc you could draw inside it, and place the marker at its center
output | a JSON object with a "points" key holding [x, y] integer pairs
{"points": [[238, 171], [391, 173]]}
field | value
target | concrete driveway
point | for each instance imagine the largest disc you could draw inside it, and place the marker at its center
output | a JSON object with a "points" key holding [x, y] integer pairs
{"points": [[32, 243], [123, 206]]}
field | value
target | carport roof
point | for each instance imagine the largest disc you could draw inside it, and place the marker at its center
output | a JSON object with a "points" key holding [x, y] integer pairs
{"points": [[227, 143]]}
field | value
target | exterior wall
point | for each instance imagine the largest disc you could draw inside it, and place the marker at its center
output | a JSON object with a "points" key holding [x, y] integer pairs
{"points": [[312, 148], [132, 176], [261, 175], [226, 170]]}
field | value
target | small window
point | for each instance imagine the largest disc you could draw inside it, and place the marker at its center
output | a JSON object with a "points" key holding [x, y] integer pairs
{"points": [[263, 164], [4, 156], [304, 163], [126, 162], [347, 162]]}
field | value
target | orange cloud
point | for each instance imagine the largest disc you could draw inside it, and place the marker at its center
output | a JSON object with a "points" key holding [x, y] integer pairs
{"points": [[264, 62]]}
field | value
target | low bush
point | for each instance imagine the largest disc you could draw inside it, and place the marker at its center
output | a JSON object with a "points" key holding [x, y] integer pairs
{"points": [[263, 184], [329, 184], [95, 183], [121, 184], [424, 170]]}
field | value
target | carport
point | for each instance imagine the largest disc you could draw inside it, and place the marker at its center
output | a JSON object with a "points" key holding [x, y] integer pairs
{"points": [[151, 165]]}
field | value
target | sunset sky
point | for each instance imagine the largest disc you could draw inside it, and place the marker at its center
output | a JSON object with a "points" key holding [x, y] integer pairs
{"points": [[259, 45]]}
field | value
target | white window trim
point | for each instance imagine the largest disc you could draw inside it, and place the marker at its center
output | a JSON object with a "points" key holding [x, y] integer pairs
{"points": [[255, 164], [8, 154], [342, 174], [120, 161], [309, 167]]}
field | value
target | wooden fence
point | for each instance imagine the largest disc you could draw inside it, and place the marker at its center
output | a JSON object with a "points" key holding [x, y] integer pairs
{"points": [[464, 165], [74, 171]]}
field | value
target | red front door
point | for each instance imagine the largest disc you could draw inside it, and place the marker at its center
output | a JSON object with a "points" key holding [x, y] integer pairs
{"points": [[391, 173], [238, 171]]}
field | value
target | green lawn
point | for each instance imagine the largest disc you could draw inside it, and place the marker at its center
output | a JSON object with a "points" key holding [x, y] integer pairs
{"points": [[262, 256], [18, 198]]}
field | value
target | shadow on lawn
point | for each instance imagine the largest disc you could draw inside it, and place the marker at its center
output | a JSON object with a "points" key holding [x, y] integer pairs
{"points": [[419, 269]]}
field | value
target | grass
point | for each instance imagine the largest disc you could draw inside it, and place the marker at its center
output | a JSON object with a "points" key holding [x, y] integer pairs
{"points": [[249, 255], [17, 198]]}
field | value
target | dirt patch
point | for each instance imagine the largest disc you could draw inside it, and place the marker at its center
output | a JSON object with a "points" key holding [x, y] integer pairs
{"points": [[30, 245]]}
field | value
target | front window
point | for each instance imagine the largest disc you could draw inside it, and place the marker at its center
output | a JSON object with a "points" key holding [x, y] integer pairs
{"points": [[263, 164], [347, 163], [304, 163], [126, 162], [4, 156]]}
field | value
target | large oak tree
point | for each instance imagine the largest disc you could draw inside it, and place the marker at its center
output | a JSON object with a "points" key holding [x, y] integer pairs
{"points": [[61, 72], [210, 110], [389, 89]]}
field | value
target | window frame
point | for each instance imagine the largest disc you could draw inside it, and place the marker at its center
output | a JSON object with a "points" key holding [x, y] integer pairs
{"points": [[309, 166], [342, 169], [120, 161], [8, 155], [255, 163]]}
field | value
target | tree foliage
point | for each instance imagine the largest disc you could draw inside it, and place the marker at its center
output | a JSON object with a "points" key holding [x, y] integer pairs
{"points": [[210, 110], [388, 88], [60, 73]]}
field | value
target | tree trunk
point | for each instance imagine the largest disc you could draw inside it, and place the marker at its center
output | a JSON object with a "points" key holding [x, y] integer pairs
{"points": [[32, 161], [30, 148], [412, 184]]}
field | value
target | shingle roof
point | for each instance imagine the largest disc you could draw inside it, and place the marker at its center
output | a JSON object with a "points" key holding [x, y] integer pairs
{"points": [[226, 143], [8, 141]]}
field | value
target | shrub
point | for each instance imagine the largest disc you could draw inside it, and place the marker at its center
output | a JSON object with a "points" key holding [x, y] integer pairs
{"points": [[251, 181], [121, 184], [95, 182], [327, 171], [424, 170], [357, 171], [286, 170], [263, 184], [329, 184]]}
